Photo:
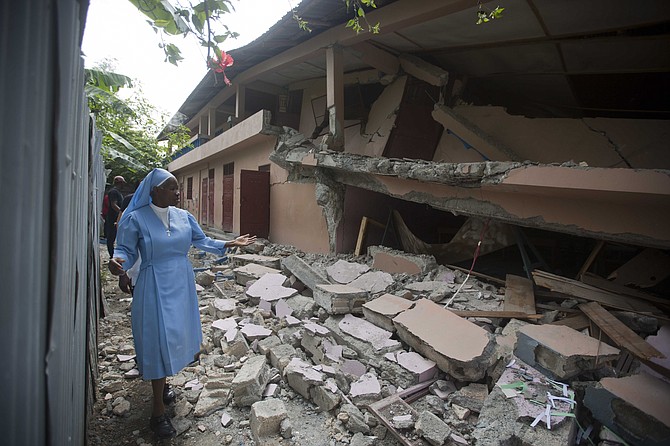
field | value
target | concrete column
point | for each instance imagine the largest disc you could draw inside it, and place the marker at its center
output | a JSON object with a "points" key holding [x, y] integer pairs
{"points": [[330, 197], [240, 99], [202, 125], [211, 122], [335, 95]]}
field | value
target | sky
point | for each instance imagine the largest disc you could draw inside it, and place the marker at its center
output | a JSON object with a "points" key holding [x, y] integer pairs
{"points": [[115, 29]]}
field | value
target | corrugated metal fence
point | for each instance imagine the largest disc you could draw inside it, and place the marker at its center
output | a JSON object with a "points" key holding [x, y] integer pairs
{"points": [[51, 186]]}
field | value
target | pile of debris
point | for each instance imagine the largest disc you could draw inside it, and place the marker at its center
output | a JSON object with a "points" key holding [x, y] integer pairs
{"points": [[395, 349]]}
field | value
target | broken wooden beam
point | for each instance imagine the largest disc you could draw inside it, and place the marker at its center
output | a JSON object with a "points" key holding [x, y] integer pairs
{"points": [[584, 291], [619, 333], [579, 322]]}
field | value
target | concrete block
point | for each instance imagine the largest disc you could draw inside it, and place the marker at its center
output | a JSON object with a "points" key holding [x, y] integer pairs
{"points": [[366, 390], [210, 401], [245, 259], [205, 278], [281, 355], [471, 396], [247, 273], [422, 369], [266, 418], [378, 338], [324, 397], [458, 347], [432, 429], [561, 351], [398, 262], [382, 310], [303, 307], [267, 344], [301, 376], [340, 299], [636, 408], [305, 273], [344, 272], [373, 282], [249, 383]]}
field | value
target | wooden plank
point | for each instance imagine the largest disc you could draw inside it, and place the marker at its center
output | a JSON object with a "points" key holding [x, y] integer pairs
{"points": [[498, 314], [589, 260], [557, 308], [479, 275], [607, 285], [647, 269], [519, 294], [362, 231], [578, 322], [579, 289], [620, 334]]}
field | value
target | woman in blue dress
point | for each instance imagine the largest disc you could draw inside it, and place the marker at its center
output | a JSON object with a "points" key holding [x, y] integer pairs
{"points": [[165, 315]]}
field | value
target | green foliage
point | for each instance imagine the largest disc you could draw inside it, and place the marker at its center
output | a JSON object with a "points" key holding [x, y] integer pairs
{"points": [[356, 7], [485, 15], [129, 127]]}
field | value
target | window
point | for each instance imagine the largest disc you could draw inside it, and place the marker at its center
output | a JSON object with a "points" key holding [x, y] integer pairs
{"points": [[264, 168], [189, 188], [229, 169]]}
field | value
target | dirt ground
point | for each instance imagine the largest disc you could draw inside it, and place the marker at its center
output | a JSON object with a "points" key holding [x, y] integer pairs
{"points": [[309, 427]]}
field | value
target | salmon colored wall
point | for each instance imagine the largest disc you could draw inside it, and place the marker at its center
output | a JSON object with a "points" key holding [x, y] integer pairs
{"points": [[296, 219]]}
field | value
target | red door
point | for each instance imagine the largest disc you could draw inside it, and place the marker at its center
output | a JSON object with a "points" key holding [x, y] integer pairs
{"points": [[203, 201], [227, 202], [255, 203]]}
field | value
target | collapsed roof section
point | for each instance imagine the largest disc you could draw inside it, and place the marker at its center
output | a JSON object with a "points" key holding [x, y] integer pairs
{"points": [[624, 205]]}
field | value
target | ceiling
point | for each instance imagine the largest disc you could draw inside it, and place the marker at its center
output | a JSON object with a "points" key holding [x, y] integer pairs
{"points": [[543, 58]]}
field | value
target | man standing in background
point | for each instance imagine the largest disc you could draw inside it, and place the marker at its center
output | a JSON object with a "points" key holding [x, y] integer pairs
{"points": [[115, 198]]}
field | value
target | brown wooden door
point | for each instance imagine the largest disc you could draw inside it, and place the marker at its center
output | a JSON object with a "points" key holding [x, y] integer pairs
{"points": [[210, 201], [203, 201], [255, 203], [227, 202]]}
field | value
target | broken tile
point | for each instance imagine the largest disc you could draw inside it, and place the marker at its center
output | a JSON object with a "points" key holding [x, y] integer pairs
{"points": [[252, 271], [270, 288], [282, 309], [373, 282], [224, 324], [365, 390], [253, 331]]}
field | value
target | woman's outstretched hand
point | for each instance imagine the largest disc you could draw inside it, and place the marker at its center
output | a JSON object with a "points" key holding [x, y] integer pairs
{"points": [[243, 240]]}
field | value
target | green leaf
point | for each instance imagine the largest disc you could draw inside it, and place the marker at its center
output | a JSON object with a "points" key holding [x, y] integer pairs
{"points": [[361, 13], [219, 39]]}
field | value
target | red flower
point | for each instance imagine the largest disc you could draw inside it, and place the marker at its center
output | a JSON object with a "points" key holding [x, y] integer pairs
{"points": [[219, 65]]}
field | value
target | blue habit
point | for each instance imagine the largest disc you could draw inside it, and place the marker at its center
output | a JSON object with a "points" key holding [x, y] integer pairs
{"points": [[165, 315]]}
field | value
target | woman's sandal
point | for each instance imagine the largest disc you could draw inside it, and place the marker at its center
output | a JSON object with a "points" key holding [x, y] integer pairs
{"points": [[162, 426]]}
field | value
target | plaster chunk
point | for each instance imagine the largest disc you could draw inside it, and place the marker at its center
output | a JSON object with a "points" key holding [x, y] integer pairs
{"points": [[365, 390], [253, 332], [458, 347], [344, 272], [224, 324]]}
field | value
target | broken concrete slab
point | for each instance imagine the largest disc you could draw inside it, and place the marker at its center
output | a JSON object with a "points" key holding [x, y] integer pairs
{"points": [[253, 332], [210, 401], [282, 309], [366, 390], [340, 299], [266, 418], [325, 397], [281, 355], [458, 347], [305, 273], [507, 420], [270, 287], [634, 407], [303, 307], [661, 342], [378, 338], [245, 259], [373, 282], [382, 310], [399, 262], [247, 273], [344, 272], [249, 383], [471, 396], [561, 351]]}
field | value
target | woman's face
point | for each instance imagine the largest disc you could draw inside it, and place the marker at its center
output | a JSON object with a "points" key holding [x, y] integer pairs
{"points": [[167, 194]]}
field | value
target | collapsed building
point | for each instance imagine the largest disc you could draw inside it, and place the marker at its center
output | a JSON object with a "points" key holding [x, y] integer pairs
{"points": [[531, 151]]}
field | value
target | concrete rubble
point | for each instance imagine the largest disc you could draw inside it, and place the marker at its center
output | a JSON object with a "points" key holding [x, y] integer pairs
{"points": [[293, 337]]}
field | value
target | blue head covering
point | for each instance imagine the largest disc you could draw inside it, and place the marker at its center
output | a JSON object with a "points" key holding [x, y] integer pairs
{"points": [[142, 196]]}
